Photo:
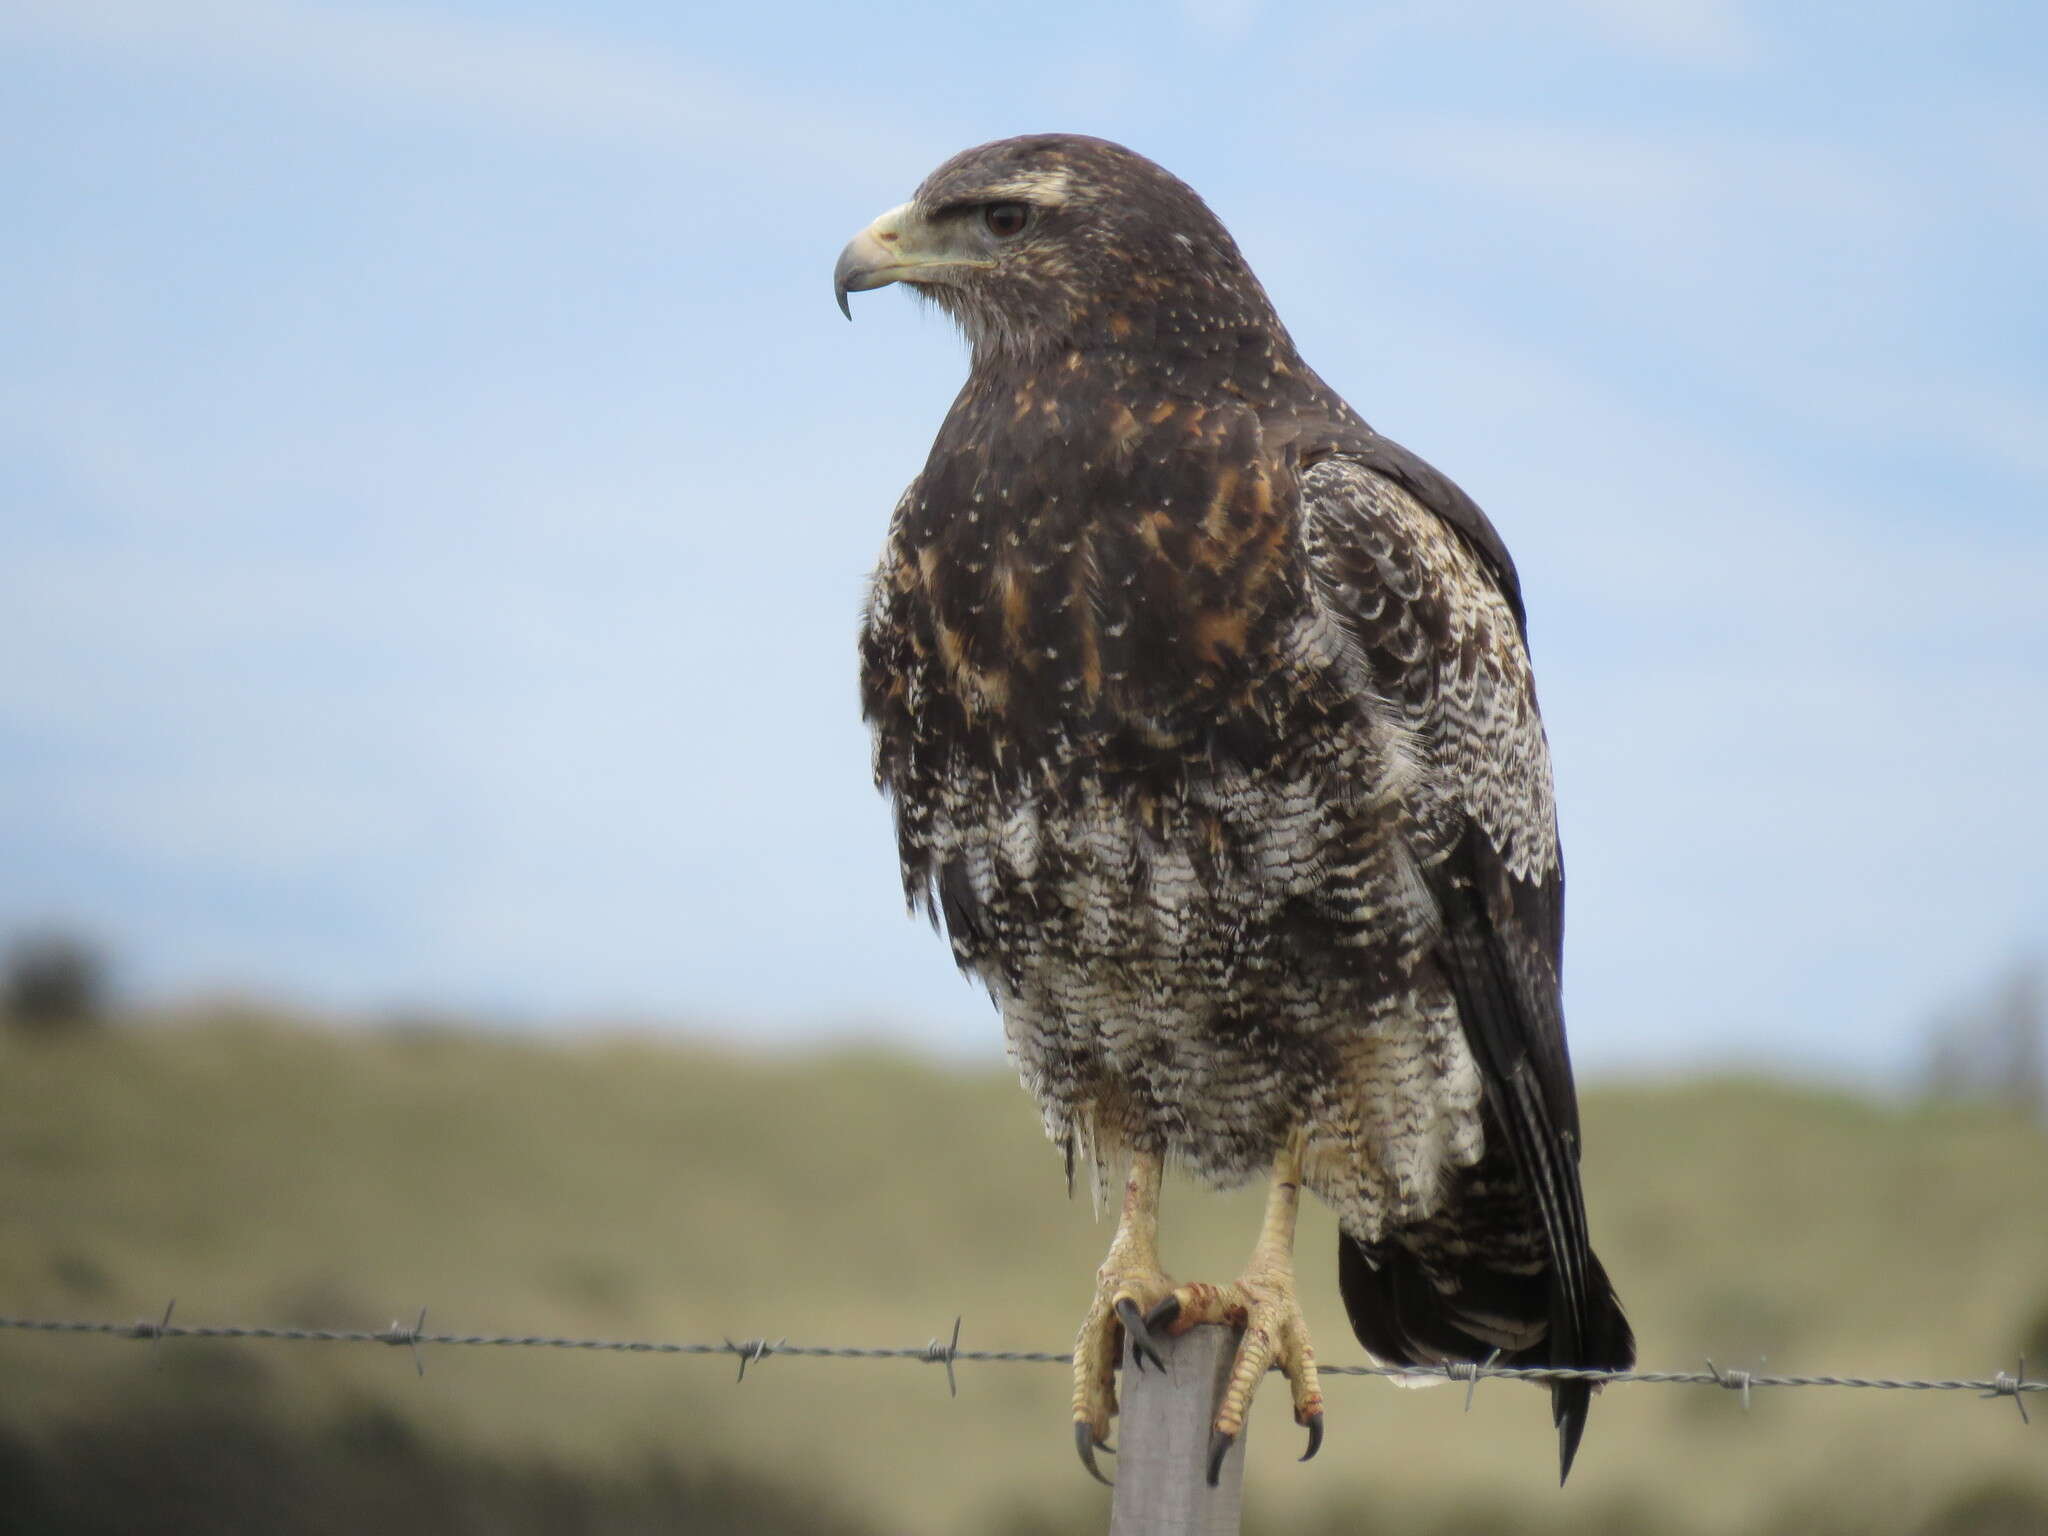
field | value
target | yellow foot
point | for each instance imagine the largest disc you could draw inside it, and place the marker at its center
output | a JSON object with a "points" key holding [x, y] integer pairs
{"points": [[1123, 1295], [1263, 1304]]}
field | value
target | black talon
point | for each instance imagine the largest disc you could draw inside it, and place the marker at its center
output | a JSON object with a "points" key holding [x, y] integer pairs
{"points": [[1315, 1436], [1142, 1347], [1085, 1442], [1165, 1315], [1219, 1447]]}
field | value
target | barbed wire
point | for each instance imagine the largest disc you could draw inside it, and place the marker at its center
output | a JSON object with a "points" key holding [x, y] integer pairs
{"points": [[948, 1352]]}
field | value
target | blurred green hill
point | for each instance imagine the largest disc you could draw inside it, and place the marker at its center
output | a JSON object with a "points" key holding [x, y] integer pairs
{"points": [[620, 1187]]}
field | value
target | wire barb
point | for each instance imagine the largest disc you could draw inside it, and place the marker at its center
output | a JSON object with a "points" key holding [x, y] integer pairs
{"points": [[1734, 1381], [936, 1353], [154, 1332], [2012, 1386], [1471, 1373], [398, 1334], [751, 1350]]}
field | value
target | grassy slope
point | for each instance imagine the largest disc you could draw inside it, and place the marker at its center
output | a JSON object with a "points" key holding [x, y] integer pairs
{"points": [[634, 1189]]}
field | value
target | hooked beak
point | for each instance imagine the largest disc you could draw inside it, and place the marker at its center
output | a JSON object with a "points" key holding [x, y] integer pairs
{"points": [[900, 246]]}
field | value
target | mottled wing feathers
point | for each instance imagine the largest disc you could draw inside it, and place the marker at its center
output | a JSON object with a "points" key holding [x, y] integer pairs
{"points": [[1432, 488], [1443, 643], [1445, 651]]}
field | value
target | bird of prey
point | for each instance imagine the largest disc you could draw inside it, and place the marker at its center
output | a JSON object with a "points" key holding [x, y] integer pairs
{"points": [[1207, 719]]}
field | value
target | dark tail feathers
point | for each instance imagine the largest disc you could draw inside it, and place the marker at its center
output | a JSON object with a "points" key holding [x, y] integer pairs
{"points": [[1408, 1313]]}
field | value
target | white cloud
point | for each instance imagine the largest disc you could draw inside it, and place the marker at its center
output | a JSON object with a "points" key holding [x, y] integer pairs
{"points": [[1714, 34], [1698, 31], [1221, 20], [1685, 204], [545, 78], [1796, 268]]}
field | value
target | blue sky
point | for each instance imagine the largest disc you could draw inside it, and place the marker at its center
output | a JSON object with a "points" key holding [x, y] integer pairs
{"points": [[436, 488]]}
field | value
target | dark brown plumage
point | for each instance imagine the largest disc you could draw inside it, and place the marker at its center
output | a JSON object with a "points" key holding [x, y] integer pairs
{"points": [[1207, 718]]}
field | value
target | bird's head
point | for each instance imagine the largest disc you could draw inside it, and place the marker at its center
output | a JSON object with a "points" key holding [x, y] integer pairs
{"points": [[1058, 241]]}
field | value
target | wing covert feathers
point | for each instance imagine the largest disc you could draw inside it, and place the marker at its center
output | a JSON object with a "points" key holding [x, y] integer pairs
{"points": [[1445, 644]]}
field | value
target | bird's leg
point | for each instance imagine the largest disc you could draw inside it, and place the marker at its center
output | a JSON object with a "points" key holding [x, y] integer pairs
{"points": [[1263, 1303], [1128, 1285]]}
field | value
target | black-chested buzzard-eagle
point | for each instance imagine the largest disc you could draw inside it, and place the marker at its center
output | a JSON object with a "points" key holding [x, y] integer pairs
{"points": [[1207, 717]]}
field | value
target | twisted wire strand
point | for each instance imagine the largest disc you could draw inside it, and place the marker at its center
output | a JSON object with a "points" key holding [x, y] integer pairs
{"points": [[751, 1351]]}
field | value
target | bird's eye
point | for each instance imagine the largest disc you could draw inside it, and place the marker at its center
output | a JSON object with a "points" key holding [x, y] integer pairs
{"points": [[1004, 220]]}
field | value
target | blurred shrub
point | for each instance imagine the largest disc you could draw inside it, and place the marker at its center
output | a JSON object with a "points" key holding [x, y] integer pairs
{"points": [[219, 1468], [54, 984], [1994, 1050], [2034, 1341], [1996, 1509]]}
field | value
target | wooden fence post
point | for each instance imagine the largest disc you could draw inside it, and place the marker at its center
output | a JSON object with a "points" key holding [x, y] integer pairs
{"points": [[1162, 1459]]}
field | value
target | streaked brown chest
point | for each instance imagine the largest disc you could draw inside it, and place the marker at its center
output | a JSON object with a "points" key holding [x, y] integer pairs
{"points": [[1082, 566]]}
